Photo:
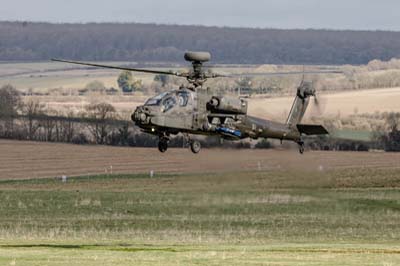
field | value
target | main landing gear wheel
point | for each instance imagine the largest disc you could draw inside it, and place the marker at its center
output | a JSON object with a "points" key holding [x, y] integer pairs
{"points": [[195, 146], [301, 147], [163, 145]]}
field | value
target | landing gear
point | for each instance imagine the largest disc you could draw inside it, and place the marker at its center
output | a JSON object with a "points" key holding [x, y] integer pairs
{"points": [[195, 146], [301, 146], [163, 143]]}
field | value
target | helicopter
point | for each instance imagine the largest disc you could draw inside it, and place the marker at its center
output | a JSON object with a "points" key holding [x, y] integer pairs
{"points": [[194, 109]]}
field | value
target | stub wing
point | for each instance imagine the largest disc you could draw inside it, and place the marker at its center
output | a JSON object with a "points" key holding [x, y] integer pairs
{"points": [[312, 129]]}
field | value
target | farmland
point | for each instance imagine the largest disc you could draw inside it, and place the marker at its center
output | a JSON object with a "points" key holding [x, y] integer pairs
{"points": [[136, 206], [110, 201], [335, 104], [37, 160], [252, 207], [62, 82]]}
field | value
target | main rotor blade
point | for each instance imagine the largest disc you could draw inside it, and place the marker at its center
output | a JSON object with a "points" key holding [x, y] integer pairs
{"points": [[122, 68], [317, 72]]}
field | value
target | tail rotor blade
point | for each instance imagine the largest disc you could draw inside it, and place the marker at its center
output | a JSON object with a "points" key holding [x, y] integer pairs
{"points": [[319, 105]]}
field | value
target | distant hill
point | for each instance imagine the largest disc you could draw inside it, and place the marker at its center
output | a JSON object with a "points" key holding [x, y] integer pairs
{"points": [[150, 42]]}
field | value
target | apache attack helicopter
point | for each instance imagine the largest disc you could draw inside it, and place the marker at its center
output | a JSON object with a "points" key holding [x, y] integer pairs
{"points": [[195, 109]]}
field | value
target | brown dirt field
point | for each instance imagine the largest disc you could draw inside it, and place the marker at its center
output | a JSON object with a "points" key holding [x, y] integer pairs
{"points": [[21, 159]]}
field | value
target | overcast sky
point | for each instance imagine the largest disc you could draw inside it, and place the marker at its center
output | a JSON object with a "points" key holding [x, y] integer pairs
{"points": [[319, 14]]}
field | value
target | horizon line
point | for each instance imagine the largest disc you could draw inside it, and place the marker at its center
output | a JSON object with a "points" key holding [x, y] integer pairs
{"points": [[196, 25]]}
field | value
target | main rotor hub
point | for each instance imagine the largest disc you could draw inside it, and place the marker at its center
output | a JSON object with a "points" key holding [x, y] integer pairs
{"points": [[197, 77]]}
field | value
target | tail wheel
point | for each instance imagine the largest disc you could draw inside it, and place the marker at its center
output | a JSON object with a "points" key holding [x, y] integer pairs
{"points": [[163, 145], [301, 147], [195, 146]]}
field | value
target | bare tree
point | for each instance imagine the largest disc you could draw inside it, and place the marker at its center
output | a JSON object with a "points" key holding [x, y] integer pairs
{"points": [[32, 110], [10, 104], [100, 113], [49, 123]]}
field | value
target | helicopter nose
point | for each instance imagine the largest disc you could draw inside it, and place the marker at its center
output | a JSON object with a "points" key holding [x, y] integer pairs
{"points": [[140, 115]]}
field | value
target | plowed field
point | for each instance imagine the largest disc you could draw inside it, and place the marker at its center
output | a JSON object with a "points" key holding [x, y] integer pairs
{"points": [[19, 159]]}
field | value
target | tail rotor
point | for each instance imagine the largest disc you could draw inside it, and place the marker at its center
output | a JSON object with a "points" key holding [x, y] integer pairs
{"points": [[319, 104]]}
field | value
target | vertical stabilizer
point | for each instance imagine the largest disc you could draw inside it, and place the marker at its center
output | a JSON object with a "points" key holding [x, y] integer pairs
{"points": [[300, 104]]}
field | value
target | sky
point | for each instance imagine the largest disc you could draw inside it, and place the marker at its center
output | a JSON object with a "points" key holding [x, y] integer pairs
{"points": [[283, 14]]}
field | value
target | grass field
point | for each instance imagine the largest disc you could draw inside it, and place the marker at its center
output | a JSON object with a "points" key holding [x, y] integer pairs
{"points": [[42, 76], [324, 208], [346, 217]]}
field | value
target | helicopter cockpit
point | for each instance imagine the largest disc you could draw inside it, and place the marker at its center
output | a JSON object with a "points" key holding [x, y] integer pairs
{"points": [[170, 100]]}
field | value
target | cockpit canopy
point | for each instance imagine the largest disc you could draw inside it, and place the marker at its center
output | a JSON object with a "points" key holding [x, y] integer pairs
{"points": [[156, 100], [171, 99]]}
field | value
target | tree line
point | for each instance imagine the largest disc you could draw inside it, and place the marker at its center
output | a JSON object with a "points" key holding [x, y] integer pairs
{"points": [[166, 43]]}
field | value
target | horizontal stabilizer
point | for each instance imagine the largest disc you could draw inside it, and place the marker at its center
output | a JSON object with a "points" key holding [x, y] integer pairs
{"points": [[312, 129]]}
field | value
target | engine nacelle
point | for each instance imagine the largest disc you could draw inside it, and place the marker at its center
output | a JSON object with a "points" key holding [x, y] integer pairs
{"points": [[227, 105]]}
